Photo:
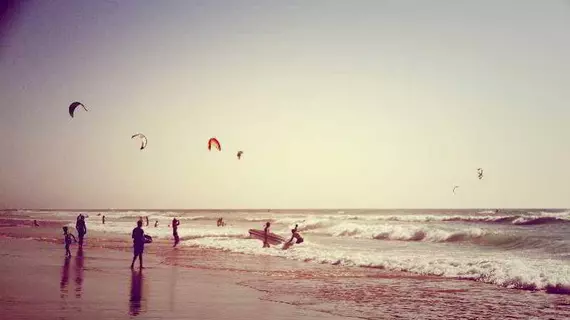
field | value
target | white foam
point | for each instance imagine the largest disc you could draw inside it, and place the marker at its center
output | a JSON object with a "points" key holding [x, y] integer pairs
{"points": [[505, 270]]}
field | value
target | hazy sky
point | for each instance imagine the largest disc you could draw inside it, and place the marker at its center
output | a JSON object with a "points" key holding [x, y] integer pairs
{"points": [[335, 103]]}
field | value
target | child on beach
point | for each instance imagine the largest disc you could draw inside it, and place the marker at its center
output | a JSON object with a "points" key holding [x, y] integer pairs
{"points": [[67, 237], [138, 244], [266, 230]]}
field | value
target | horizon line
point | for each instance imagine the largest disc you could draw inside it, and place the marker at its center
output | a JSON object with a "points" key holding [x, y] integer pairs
{"points": [[275, 209]]}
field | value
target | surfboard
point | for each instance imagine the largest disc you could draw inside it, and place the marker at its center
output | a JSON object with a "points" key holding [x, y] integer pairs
{"points": [[272, 238], [147, 238]]}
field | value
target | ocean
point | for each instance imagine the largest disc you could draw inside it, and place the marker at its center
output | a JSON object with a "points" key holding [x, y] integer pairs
{"points": [[369, 264], [521, 249]]}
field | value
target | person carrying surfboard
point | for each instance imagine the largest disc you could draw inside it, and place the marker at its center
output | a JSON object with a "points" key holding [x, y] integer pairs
{"points": [[266, 233], [295, 235]]}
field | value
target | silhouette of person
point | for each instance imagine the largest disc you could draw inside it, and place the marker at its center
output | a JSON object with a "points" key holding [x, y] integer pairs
{"points": [[295, 235], [81, 228], [36, 223], [156, 224], [67, 238], [266, 234], [138, 244], [175, 224]]}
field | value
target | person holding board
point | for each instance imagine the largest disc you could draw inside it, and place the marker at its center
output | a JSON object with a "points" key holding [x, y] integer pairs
{"points": [[266, 234]]}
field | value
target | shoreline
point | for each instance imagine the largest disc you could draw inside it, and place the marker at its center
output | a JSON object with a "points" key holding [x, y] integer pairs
{"points": [[368, 293], [97, 283]]}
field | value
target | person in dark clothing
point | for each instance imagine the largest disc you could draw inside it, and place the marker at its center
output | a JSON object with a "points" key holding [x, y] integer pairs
{"points": [[68, 238], [295, 235], [175, 223], [266, 233], [81, 228], [138, 244]]}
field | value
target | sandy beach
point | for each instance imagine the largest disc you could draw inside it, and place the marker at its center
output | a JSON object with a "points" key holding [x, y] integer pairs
{"points": [[38, 282]]}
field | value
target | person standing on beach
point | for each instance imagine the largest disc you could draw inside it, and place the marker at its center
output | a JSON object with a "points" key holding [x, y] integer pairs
{"points": [[266, 234], [156, 223], [81, 228], [146, 220], [67, 238], [103, 219], [175, 224], [138, 244]]}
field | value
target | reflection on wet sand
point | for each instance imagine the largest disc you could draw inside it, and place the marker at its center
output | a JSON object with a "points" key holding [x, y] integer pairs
{"points": [[79, 272], [64, 278], [136, 299]]}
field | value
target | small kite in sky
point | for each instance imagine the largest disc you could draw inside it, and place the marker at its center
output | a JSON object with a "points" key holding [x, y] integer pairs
{"points": [[213, 142], [143, 139], [74, 106]]}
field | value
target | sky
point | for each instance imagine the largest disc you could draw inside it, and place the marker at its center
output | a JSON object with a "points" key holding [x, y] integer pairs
{"points": [[336, 104]]}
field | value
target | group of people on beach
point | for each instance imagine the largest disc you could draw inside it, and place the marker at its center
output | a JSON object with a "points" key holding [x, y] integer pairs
{"points": [[139, 238]]}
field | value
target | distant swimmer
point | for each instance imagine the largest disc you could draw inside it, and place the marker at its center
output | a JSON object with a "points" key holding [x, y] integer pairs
{"points": [[156, 223], [68, 238], [138, 244], [36, 223], [295, 235], [175, 224], [81, 228], [266, 233], [220, 222], [103, 219]]}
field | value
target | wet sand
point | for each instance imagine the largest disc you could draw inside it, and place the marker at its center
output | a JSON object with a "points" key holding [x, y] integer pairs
{"points": [[38, 282]]}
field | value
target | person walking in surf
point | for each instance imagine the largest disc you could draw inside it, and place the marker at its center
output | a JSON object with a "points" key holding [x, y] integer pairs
{"points": [[175, 224], [295, 235], [81, 228], [266, 234]]}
